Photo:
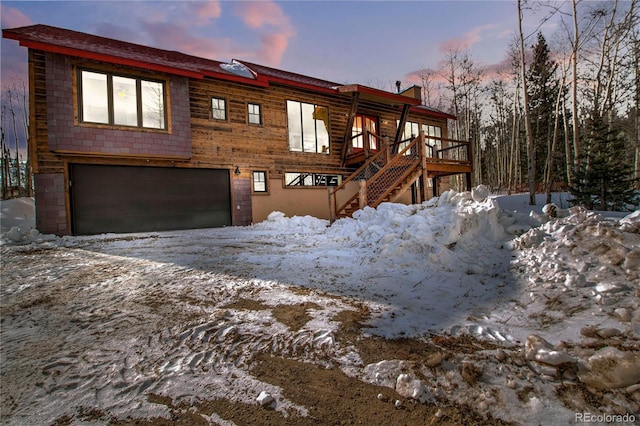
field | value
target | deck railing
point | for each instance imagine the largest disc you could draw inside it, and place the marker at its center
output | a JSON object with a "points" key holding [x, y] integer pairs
{"points": [[383, 172]]}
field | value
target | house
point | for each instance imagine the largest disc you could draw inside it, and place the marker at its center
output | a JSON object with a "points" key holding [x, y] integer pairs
{"points": [[129, 138]]}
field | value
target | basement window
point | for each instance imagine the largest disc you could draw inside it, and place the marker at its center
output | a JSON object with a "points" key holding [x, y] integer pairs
{"points": [[121, 100], [311, 179], [260, 181]]}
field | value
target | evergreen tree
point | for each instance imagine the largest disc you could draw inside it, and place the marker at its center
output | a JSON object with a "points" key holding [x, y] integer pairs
{"points": [[543, 90], [604, 179]]}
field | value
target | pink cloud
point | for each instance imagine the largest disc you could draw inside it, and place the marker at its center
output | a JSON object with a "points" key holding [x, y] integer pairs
{"points": [[205, 11], [465, 41], [174, 37], [13, 18], [273, 47], [257, 14]]}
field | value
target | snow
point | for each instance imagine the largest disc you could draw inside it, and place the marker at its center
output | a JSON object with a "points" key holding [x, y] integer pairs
{"points": [[556, 288]]}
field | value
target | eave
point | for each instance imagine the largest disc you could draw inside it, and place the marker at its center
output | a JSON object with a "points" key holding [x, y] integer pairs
{"points": [[377, 95], [119, 60]]}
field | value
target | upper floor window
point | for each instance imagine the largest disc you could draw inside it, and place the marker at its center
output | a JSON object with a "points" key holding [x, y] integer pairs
{"points": [[411, 130], [123, 101], [255, 116], [218, 108], [308, 127]]}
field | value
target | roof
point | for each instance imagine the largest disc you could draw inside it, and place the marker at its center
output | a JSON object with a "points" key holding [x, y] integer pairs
{"points": [[82, 45], [88, 46], [432, 112]]}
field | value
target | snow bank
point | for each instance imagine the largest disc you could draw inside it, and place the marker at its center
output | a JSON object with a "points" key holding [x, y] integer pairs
{"points": [[17, 222], [17, 212], [446, 232], [277, 221]]}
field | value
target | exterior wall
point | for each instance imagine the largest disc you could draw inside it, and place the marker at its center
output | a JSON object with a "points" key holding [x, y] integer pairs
{"points": [[66, 134], [193, 139], [241, 201], [51, 212], [291, 202]]}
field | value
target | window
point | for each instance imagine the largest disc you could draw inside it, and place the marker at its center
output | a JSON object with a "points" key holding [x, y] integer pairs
{"points": [[308, 127], [253, 111], [361, 122], [412, 129], [311, 179], [434, 131], [218, 109], [122, 101], [259, 181]]}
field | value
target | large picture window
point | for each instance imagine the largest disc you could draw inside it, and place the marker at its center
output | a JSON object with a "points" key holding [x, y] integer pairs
{"points": [[122, 101], [308, 127]]}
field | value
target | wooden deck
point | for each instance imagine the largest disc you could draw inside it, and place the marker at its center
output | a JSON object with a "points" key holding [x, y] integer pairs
{"points": [[444, 157], [384, 174]]}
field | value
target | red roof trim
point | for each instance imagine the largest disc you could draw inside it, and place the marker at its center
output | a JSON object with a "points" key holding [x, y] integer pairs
{"points": [[400, 99], [432, 113], [109, 58], [300, 85], [237, 79]]}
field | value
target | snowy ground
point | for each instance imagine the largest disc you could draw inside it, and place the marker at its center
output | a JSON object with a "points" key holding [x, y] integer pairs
{"points": [[511, 314]]}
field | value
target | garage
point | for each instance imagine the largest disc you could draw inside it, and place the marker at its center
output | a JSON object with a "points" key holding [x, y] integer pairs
{"points": [[107, 198]]}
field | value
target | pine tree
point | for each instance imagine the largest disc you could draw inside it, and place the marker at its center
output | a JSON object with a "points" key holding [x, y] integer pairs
{"points": [[543, 90], [604, 179]]}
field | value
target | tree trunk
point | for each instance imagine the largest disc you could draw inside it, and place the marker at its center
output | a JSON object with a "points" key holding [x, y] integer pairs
{"points": [[531, 153], [574, 87]]}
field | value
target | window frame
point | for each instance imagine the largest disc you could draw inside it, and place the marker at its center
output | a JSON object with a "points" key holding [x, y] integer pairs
{"points": [[318, 143], [314, 178], [111, 103], [253, 114], [265, 174], [225, 110]]}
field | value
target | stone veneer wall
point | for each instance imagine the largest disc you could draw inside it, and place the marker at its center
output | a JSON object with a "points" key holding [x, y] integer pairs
{"points": [[241, 207], [51, 213], [65, 135]]}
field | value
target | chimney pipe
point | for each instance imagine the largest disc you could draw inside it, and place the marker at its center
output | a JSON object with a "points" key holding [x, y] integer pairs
{"points": [[398, 83]]}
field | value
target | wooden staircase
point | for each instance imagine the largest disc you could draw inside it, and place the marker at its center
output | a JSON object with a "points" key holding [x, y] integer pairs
{"points": [[382, 178]]}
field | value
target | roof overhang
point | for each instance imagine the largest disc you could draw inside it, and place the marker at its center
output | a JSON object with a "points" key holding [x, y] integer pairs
{"points": [[377, 95], [25, 41], [424, 110]]}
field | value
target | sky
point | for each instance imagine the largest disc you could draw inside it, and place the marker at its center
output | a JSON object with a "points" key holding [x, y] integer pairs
{"points": [[371, 43]]}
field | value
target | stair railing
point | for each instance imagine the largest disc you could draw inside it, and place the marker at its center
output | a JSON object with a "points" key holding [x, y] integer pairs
{"points": [[382, 174], [395, 172]]}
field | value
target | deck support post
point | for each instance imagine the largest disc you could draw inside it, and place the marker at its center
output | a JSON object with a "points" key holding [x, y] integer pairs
{"points": [[362, 193], [422, 152], [332, 204]]}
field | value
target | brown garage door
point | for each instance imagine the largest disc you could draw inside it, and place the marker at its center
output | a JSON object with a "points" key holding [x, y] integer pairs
{"points": [[140, 199]]}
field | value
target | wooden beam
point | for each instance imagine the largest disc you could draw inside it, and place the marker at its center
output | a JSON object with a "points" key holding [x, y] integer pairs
{"points": [[355, 97], [403, 120]]}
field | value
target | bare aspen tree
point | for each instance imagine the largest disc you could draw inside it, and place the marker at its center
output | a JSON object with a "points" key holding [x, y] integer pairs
{"points": [[531, 153], [574, 85], [12, 111], [25, 123], [636, 71]]}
